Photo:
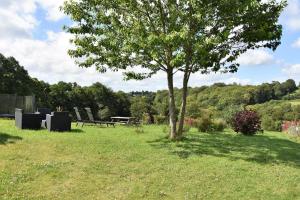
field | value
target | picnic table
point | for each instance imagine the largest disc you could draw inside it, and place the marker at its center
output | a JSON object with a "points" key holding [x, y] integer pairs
{"points": [[123, 120]]}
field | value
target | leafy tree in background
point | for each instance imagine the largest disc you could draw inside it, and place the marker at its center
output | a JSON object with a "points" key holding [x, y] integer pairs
{"points": [[41, 91], [289, 86], [122, 103], [166, 35], [139, 106], [14, 79]]}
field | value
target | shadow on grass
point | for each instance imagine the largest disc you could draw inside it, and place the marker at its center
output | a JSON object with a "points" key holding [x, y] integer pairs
{"points": [[76, 130], [8, 139], [260, 148]]}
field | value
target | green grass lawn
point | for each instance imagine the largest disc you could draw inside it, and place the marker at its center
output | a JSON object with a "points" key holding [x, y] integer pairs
{"points": [[118, 163]]}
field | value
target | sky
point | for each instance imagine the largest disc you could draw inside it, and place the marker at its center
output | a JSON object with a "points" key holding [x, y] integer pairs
{"points": [[31, 31]]}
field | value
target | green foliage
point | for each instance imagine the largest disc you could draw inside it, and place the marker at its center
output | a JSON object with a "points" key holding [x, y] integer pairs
{"points": [[147, 118], [14, 79], [218, 125], [230, 111], [170, 36], [209, 125], [269, 124], [292, 96], [204, 124], [273, 113], [159, 119], [186, 128], [140, 105], [105, 103], [158, 36]]}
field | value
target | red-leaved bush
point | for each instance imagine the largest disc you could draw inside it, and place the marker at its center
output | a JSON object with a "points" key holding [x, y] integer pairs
{"points": [[246, 122], [190, 121], [287, 124], [291, 127]]}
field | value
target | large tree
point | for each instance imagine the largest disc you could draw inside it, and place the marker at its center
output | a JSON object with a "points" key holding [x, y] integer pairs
{"points": [[14, 79], [186, 36]]}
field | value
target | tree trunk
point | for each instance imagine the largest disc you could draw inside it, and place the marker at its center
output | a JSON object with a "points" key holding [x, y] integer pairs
{"points": [[183, 104], [172, 108]]}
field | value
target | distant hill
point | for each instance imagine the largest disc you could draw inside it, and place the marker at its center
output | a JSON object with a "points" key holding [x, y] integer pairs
{"points": [[274, 101]]}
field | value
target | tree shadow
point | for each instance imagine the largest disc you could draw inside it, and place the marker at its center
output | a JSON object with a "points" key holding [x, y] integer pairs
{"points": [[261, 149], [8, 139]]}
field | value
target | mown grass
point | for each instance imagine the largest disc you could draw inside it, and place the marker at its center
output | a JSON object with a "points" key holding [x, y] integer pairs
{"points": [[118, 163]]}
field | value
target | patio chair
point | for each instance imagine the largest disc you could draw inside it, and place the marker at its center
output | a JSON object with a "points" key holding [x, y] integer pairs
{"points": [[58, 121], [27, 120], [79, 118], [93, 121]]}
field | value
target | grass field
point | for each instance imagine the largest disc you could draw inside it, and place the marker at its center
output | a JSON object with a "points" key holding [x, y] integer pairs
{"points": [[119, 163]]}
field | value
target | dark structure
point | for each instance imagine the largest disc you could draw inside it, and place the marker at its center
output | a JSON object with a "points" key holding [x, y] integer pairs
{"points": [[27, 120], [11, 101], [58, 121], [93, 121], [43, 112]]}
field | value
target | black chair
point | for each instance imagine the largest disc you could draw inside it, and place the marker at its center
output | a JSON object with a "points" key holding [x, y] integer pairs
{"points": [[58, 121], [93, 121], [27, 120], [43, 112]]}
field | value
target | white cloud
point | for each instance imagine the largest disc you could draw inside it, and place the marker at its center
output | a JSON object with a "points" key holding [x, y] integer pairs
{"points": [[291, 15], [256, 57], [294, 24], [48, 61], [16, 18], [292, 71], [52, 8], [296, 44]]}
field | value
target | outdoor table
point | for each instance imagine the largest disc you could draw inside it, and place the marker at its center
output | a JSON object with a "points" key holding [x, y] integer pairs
{"points": [[123, 120]]}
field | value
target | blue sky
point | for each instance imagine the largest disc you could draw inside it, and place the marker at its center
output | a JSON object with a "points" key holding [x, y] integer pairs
{"points": [[31, 31]]}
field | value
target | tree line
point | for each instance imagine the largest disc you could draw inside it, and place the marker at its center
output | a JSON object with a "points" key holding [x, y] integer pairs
{"points": [[14, 79], [219, 100]]}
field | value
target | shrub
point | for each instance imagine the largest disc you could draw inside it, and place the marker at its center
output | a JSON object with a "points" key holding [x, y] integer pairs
{"points": [[146, 118], [186, 128], [270, 125], [190, 121], [204, 124], [246, 122], [159, 119], [291, 127], [229, 112], [219, 125]]}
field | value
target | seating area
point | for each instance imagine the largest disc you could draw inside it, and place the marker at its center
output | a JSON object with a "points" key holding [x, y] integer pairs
{"points": [[43, 118], [60, 120], [27, 120]]}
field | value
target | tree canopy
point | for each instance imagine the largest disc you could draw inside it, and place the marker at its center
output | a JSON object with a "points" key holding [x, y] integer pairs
{"points": [[170, 35]]}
